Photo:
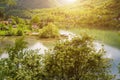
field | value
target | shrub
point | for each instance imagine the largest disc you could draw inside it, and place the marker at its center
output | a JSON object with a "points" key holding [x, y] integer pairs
{"points": [[69, 60], [10, 33], [19, 33], [22, 64], [18, 20], [49, 31], [2, 33], [13, 22], [3, 27], [77, 60], [35, 19]]}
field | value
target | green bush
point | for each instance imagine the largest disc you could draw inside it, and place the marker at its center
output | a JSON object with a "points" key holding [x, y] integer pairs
{"points": [[3, 27], [13, 22], [72, 60], [17, 20], [49, 31], [19, 33], [2, 33], [22, 64], [77, 60], [35, 19], [9, 33]]}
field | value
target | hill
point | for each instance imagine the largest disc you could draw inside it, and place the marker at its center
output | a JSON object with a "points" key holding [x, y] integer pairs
{"points": [[32, 4], [94, 13]]}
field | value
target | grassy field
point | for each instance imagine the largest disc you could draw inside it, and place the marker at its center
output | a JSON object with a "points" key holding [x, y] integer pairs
{"points": [[106, 36]]}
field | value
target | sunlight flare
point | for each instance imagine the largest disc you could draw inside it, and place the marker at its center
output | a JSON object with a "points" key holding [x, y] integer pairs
{"points": [[70, 1]]}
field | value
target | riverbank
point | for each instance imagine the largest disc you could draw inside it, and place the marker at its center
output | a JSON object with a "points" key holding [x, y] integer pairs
{"points": [[108, 37]]}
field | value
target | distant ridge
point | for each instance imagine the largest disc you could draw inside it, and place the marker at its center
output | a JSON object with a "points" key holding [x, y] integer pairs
{"points": [[37, 3]]}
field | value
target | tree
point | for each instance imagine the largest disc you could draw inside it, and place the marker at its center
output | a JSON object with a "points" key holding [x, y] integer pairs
{"points": [[77, 60], [10, 3], [6, 6], [22, 64]]}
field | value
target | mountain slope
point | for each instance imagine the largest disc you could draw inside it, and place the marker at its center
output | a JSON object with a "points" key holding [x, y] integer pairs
{"points": [[37, 3]]}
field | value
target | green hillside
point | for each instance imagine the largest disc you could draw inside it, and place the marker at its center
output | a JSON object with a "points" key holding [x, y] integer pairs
{"points": [[103, 14], [37, 3]]}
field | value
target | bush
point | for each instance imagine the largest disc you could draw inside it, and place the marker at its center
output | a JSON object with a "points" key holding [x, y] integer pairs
{"points": [[77, 60], [2, 33], [49, 31], [9, 33], [35, 19], [13, 22], [70, 60], [19, 33], [17, 20], [22, 64], [3, 27]]}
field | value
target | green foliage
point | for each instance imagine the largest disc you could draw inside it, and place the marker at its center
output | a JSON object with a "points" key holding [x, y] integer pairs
{"points": [[9, 33], [3, 27], [77, 60], [10, 65], [49, 31], [21, 63], [35, 19], [19, 13], [1, 12], [69, 60], [10, 2], [103, 14], [18, 20], [19, 32], [2, 33]]}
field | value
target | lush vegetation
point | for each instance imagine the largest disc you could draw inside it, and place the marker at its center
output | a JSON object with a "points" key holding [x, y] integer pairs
{"points": [[49, 31], [105, 36], [15, 27], [69, 60], [89, 13]]}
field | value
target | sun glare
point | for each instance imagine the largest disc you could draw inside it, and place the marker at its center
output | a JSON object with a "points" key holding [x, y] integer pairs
{"points": [[70, 1]]}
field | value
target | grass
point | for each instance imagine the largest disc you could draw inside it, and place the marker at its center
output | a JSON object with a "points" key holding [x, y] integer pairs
{"points": [[106, 36]]}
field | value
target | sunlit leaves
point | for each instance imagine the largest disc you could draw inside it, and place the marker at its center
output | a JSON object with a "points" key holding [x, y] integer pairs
{"points": [[77, 59]]}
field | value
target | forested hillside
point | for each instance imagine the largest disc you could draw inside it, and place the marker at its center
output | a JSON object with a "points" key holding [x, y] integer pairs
{"points": [[37, 3], [103, 14]]}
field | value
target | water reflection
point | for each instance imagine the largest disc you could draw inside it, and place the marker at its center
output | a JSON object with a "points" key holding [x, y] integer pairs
{"points": [[33, 44], [40, 46]]}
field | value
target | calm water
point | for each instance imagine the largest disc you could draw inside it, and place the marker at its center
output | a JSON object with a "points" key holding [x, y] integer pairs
{"points": [[33, 43]]}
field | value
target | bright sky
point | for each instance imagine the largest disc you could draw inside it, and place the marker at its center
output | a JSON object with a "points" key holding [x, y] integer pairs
{"points": [[70, 1], [67, 1]]}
